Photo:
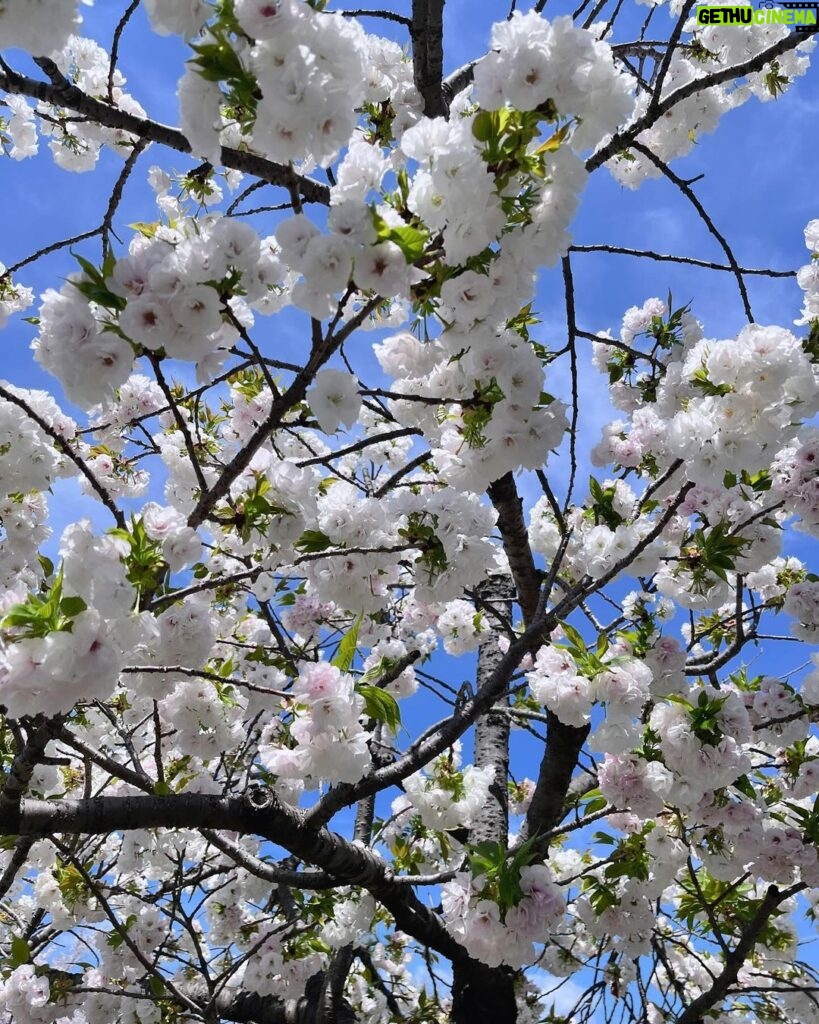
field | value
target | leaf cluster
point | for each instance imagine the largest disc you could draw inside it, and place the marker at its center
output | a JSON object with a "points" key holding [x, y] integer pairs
{"points": [[500, 870], [44, 613]]}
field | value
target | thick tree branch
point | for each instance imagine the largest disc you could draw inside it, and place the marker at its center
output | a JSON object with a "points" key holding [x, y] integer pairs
{"points": [[269, 872], [139, 780], [239, 1006], [563, 746], [427, 31], [508, 504], [459, 80], [471, 985], [245, 1007], [441, 736], [26, 761], [492, 729], [61, 93], [259, 814]]}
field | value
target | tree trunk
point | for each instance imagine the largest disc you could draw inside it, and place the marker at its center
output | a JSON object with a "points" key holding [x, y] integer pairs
{"points": [[480, 993], [483, 995]]}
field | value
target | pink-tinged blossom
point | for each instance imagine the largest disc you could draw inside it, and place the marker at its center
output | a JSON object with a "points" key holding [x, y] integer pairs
{"points": [[25, 996], [537, 884], [802, 603], [186, 632], [629, 782], [48, 676], [557, 685], [455, 899], [382, 269]]}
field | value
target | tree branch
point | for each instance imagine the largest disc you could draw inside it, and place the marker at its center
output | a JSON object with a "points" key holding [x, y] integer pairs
{"points": [[322, 350], [620, 250], [492, 729], [61, 93], [508, 504], [563, 746], [692, 197], [696, 1011], [65, 448], [257, 813], [427, 31], [623, 139]]}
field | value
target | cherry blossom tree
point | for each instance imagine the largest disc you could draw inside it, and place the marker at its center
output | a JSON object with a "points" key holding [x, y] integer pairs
{"points": [[348, 699]]}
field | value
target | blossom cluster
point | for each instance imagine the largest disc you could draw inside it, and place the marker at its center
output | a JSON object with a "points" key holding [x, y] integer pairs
{"points": [[75, 143], [13, 298], [30, 462], [308, 72], [330, 742], [169, 293], [477, 922], [445, 798], [533, 61], [39, 27]]}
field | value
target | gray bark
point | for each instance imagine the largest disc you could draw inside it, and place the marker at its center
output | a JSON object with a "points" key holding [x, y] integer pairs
{"points": [[257, 814], [492, 730], [427, 32], [480, 993]]}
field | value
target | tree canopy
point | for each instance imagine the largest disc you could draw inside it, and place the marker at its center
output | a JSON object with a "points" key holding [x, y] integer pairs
{"points": [[342, 678]]}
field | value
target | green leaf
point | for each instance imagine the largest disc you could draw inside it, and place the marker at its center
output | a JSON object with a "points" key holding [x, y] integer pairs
{"points": [[116, 939], [157, 986], [20, 952], [523, 855], [484, 127], [576, 641], [702, 381], [94, 287], [88, 268], [509, 891], [381, 706], [145, 229], [595, 802], [312, 541], [553, 143], [42, 614], [411, 241], [72, 606], [345, 654], [486, 857]]}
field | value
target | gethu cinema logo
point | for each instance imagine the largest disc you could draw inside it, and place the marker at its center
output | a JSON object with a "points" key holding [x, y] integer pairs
{"points": [[801, 15]]}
